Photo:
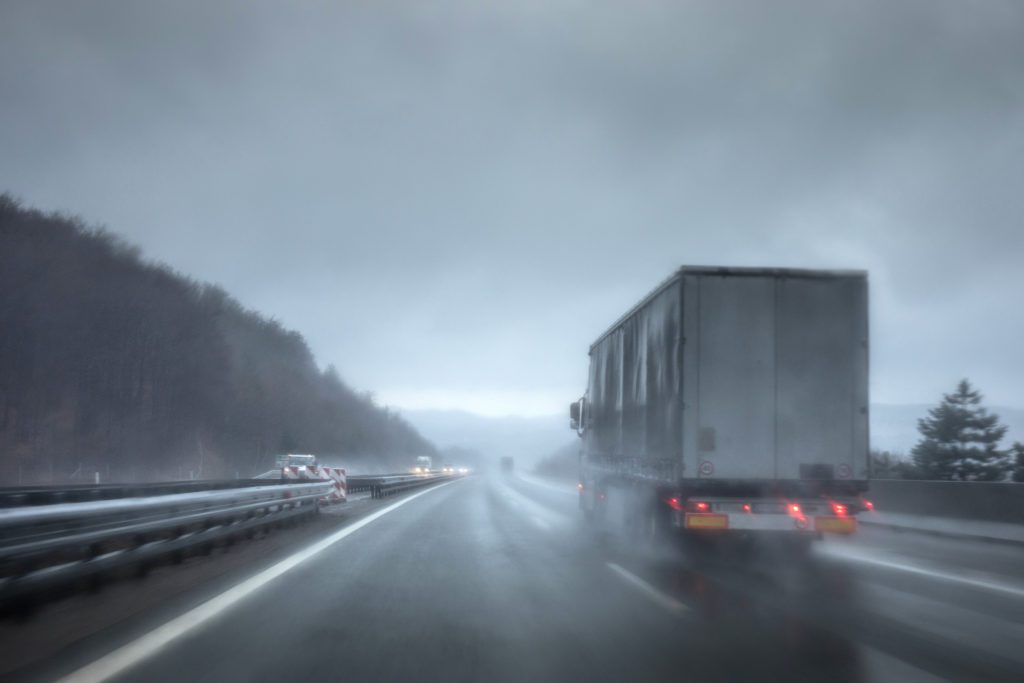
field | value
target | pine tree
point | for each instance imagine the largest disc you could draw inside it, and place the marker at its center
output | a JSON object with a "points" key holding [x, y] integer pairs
{"points": [[1017, 453], [960, 439]]}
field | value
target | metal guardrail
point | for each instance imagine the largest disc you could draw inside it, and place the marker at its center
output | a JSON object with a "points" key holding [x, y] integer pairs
{"points": [[44, 548], [381, 485], [60, 539], [18, 496]]}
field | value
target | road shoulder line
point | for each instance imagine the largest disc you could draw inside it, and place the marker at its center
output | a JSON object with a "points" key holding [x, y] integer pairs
{"points": [[924, 571]]}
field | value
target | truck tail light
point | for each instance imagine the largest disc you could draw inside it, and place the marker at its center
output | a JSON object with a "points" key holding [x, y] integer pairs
{"points": [[794, 510], [839, 509], [868, 505], [746, 507], [674, 503], [701, 506]]}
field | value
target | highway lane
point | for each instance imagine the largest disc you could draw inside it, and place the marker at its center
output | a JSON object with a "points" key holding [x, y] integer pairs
{"points": [[495, 578], [954, 608]]}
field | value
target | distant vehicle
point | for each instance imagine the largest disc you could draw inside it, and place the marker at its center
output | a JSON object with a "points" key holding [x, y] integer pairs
{"points": [[508, 463], [292, 460], [730, 402], [448, 469], [423, 465]]}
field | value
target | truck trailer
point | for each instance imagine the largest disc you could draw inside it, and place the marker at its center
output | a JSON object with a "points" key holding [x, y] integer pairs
{"points": [[730, 402]]}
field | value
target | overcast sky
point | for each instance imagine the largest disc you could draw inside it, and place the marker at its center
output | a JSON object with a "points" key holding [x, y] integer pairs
{"points": [[450, 200]]}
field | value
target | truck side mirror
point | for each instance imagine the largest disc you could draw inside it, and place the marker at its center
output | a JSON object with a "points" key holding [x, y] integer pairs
{"points": [[576, 416]]}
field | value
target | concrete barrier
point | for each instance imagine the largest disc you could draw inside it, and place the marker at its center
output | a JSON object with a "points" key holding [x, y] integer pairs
{"points": [[981, 501], [336, 475]]}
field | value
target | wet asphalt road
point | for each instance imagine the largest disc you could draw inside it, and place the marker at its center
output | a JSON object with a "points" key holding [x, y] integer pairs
{"points": [[494, 578]]}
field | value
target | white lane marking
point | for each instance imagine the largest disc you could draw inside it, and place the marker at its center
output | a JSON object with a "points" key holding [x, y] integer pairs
{"points": [[665, 601], [924, 571], [569, 489], [535, 510], [544, 526], [150, 644], [879, 666]]}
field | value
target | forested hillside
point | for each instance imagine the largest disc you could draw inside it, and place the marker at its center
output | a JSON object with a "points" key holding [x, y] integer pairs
{"points": [[114, 365]]}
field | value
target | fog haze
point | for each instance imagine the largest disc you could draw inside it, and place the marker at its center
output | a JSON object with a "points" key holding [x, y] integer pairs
{"points": [[451, 201]]}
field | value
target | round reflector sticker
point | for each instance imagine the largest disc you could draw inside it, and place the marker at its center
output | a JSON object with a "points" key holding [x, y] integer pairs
{"points": [[707, 469], [844, 471]]}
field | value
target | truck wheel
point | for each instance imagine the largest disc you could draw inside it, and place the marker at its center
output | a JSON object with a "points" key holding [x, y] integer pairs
{"points": [[652, 527]]}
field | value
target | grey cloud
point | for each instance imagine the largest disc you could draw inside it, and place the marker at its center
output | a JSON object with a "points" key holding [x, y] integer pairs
{"points": [[458, 196]]}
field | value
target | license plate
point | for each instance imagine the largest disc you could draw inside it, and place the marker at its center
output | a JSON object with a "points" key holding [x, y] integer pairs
{"points": [[835, 525], [708, 521]]}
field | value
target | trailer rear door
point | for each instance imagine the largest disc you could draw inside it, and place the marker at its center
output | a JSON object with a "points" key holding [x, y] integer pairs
{"points": [[821, 337], [777, 379], [736, 382]]}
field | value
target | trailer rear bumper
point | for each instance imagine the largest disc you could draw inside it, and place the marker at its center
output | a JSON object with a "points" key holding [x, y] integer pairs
{"points": [[723, 522], [815, 516]]}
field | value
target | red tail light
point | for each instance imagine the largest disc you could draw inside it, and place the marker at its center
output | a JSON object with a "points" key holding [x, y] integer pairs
{"points": [[794, 509], [701, 506], [746, 507], [868, 505], [674, 503], [839, 509]]}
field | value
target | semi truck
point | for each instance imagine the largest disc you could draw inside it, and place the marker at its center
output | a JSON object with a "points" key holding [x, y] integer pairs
{"points": [[730, 403]]}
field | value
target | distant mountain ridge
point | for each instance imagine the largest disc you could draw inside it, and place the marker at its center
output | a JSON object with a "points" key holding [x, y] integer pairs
{"points": [[893, 428], [527, 439]]}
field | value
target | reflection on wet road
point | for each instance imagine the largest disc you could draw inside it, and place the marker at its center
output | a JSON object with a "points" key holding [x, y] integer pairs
{"points": [[496, 578]]}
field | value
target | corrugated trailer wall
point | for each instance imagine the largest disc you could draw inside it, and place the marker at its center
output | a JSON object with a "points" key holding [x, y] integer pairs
{"points": [[634, 401]]}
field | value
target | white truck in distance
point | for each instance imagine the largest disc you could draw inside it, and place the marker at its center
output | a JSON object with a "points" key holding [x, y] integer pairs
{"points": [[730, 402]]}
